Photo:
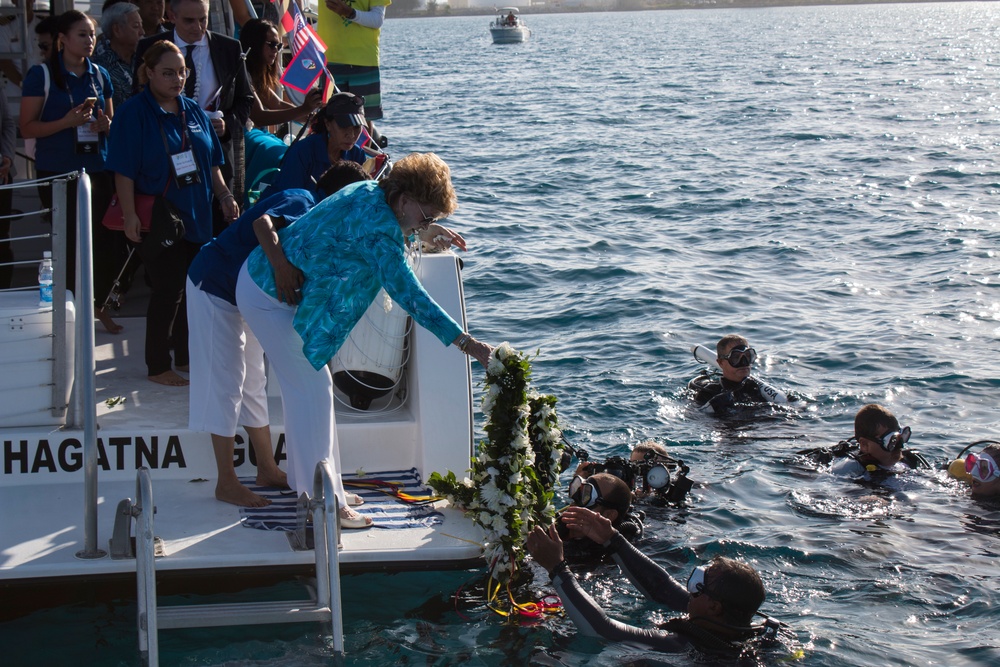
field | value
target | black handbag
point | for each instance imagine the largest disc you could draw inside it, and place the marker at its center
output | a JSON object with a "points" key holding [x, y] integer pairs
{"points": [[166, 229]]}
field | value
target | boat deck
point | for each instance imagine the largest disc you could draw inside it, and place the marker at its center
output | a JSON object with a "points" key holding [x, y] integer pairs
{"points": [[42, 490]]}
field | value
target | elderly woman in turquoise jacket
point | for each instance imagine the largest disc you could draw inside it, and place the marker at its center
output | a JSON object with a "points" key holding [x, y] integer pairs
{"points": [[348, 246]]}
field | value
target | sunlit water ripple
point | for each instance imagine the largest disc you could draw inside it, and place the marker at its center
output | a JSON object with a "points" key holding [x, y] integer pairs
{"points": [[823, 180]]}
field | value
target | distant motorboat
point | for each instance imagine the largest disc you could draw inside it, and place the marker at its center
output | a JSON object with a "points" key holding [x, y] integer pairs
{"points": [[508, 27]]}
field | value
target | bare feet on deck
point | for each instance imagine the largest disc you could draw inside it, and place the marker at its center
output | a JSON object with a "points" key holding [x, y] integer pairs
{"points": [[169, 378], [278, 479], [109, 324], [237, 494]]}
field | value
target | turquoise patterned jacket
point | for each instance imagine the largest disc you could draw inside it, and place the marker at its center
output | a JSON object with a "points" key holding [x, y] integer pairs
{"points": [[349, 246]]}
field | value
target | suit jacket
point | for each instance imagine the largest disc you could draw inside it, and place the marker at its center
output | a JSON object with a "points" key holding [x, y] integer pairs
{"points": [[235, 102]]}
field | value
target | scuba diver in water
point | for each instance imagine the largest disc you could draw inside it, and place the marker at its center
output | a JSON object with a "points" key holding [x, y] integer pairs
{"points": [[721, 597], [876, 448], [735, 388], [650, 472], [607, 495], [981, 471]]}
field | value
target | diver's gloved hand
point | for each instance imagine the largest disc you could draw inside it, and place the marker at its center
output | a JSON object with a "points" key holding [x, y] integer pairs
{"points": [[722, 402]]}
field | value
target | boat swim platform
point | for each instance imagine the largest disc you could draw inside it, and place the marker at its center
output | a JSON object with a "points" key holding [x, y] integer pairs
{"points": [[143, 424]]}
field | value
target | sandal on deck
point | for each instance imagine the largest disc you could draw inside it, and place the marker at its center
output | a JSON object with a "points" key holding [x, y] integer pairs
{"points": [[353, 499], [351, 519]]}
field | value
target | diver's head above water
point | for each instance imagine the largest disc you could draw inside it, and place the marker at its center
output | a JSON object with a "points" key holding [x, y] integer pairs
{"points": [[735, 357]]}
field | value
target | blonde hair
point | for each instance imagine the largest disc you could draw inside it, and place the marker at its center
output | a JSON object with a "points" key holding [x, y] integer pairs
{"points": [[426, 178], [151, 58]]}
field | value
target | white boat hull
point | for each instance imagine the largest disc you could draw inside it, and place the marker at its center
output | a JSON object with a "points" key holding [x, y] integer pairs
{"points": [[42, 479], [504, 35]]}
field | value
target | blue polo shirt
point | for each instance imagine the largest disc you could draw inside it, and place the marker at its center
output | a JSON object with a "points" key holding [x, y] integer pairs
{"points": [[136, 150], [308, 159], [218, 263], [57, 152]]}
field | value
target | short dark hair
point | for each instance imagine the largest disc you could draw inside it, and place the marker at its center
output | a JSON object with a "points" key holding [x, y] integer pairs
{"points": [[728, 341], [870, 418], [341, 173], [617, 496], [738, 587]]}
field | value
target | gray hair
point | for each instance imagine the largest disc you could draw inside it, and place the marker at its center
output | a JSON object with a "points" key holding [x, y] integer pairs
{"points": [[115, 15]]}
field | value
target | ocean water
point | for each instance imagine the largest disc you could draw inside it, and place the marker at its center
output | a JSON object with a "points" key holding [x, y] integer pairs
{"points": [[822, 180]]}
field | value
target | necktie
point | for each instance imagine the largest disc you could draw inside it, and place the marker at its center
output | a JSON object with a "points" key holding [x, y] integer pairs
{"points": [[192, 73]]}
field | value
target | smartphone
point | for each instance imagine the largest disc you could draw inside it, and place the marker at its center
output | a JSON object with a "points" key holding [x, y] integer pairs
{"points": [[91, 101]]}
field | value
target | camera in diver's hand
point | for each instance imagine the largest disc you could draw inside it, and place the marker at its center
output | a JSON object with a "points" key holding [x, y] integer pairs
{"points": [[653, 472], [561, 529]]}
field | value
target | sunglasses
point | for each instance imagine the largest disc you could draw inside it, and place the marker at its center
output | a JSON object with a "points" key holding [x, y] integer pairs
{"points": [[696, 582], [273, 45], [428, 219], [740, 357], [892, 440], [584, 494], [982, 467]]}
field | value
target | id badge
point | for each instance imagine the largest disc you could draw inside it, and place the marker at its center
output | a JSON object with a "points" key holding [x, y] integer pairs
{"points": [[87, 139], [185, 168]]}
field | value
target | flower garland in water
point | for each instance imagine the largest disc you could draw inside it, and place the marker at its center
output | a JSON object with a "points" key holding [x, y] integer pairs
{"points": [[517, 465]]}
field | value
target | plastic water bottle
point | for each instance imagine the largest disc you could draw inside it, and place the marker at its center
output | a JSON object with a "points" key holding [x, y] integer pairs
{"points": [[45, 281]]}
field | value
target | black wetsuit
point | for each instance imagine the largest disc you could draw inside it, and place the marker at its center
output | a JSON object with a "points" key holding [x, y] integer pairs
{"points": [[653, 582], [719, 395]]}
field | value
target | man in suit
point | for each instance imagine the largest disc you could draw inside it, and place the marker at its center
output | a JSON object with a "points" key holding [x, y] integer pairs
{"points": [[218, 81]]}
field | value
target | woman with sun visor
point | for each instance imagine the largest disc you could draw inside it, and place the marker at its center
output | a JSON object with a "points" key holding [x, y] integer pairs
{"points": [[721, 597], [719, 395]]}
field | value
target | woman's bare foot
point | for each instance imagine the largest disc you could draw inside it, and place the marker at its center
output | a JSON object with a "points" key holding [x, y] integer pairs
{"points": [[109, 324], [276, 478], [169, 378], [237, 494]]}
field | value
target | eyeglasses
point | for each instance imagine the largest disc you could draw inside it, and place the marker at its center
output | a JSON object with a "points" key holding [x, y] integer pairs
{"points": [[273, 45], [696, 582], [173, 74], [892, 440], [740, 357], [584, 494], [982, 467], [428, 219]]}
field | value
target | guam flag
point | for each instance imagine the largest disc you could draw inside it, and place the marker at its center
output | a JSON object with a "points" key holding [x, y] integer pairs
{"points": [[308, 61]]}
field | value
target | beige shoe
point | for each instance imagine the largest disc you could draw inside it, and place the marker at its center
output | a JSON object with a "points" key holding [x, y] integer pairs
{"points": [[351, 519]]}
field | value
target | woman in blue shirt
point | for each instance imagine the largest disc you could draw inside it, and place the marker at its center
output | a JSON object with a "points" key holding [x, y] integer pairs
{"points": [[335, 132], [345, 264], [66, 106], [164, 144]]}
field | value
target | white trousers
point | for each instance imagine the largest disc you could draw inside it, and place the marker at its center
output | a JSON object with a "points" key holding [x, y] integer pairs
{"points": [[306, 393], [228, 385]]}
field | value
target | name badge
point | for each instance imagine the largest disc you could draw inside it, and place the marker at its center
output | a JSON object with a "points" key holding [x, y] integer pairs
{"points": [[185, 168], [87, 139]]}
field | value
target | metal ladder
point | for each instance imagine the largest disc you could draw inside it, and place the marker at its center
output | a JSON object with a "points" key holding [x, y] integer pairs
{"points": [[326, 605]]}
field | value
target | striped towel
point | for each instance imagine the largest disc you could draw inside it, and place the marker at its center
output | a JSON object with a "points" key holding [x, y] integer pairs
{"points": [[385, 510]]}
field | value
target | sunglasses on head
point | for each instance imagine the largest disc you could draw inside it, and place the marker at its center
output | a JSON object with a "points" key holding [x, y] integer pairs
{"points": [[982, 468], [892, 440], [696, 582], [584, 494], [740, 357]]}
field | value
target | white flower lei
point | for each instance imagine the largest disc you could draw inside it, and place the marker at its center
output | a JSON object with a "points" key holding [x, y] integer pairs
{"points": [[516, 467]]}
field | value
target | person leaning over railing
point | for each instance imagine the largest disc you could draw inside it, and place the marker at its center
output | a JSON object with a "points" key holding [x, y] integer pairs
{"points": [[347, 247], [164, 143]]}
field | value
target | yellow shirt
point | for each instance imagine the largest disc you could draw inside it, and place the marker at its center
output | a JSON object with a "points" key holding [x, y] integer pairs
{"points": [[348, 43]]}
